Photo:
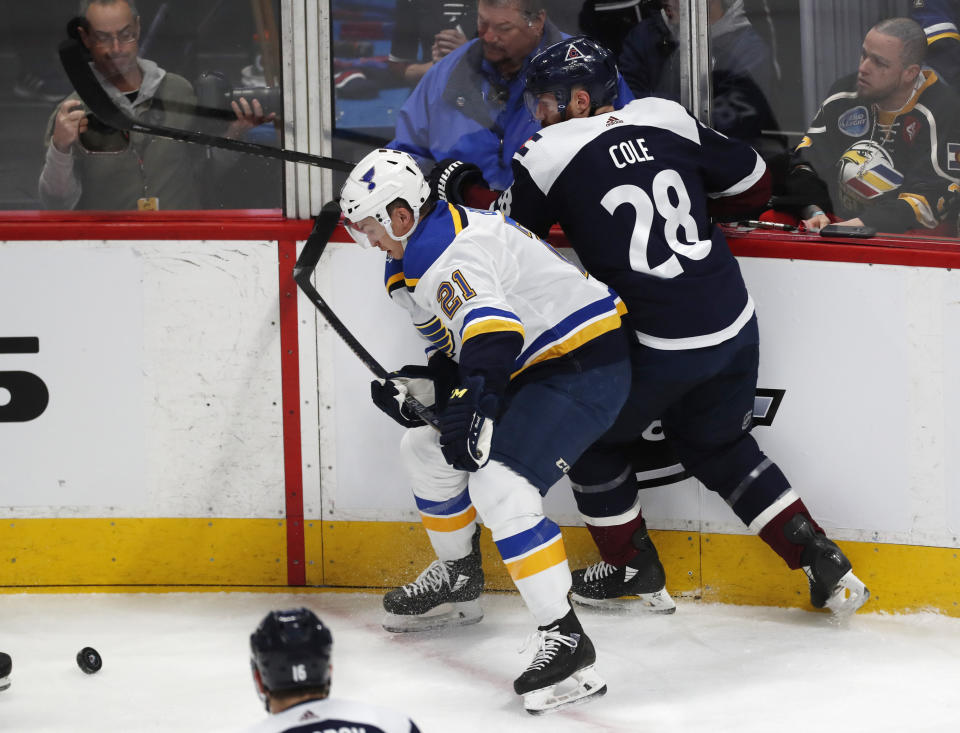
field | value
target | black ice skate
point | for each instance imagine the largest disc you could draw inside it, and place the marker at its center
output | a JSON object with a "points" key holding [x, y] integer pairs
{"points": [[639, 585], [445, 594], [6, 665], [561, 673], [832, 582]]}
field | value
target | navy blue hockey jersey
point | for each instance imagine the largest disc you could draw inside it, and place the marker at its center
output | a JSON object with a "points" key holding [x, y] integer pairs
{"points": [[630, 190]]}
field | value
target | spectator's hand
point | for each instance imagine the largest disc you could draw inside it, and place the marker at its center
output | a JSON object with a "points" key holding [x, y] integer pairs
{"points": [[446, 41], [248, 116], [69, 124], [816, 222]]}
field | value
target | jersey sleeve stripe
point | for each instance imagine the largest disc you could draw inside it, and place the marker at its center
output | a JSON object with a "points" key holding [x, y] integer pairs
{"points": [[921, 209], [744, 183], [491, 324], [940, 36], [394, 281], [437, 334]]}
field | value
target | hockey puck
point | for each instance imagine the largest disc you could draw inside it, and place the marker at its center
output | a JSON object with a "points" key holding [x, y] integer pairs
{"points": [[89, 660]]}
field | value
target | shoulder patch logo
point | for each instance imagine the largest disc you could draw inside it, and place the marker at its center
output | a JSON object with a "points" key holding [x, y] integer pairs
{"points": [[368, 179], [611, 120], [911, 127], [573, 53], [309, 715], [854, 122], [953, 156]]}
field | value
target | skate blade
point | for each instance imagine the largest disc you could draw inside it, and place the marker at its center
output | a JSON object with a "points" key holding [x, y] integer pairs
{"points": [[849, 595], [659, 602], [444, 615], [580, 687]]}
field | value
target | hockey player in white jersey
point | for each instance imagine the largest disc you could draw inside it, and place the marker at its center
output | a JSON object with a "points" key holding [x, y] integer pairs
{"points": [[290, 654], [643, 227], [537, 344]]}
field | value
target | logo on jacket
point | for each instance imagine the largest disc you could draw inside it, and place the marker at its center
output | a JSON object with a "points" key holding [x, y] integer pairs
{"points": [[854, 122], [911, 127], [368, 179], [864, 172], [611, 120]]}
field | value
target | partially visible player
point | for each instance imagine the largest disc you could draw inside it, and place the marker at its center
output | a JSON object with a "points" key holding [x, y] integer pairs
{"points": [[537, 344], [6, 666], [632, 190], [290, 658]]}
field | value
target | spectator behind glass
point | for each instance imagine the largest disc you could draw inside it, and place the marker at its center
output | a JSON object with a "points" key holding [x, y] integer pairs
{"points": [[939, 19], [470, 105], [91, 166], [425, 31], [883, 150], [742, 69], [609, 21]]}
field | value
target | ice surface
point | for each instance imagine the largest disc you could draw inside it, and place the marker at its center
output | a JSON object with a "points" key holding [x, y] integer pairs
{"points": [[179, 662]]}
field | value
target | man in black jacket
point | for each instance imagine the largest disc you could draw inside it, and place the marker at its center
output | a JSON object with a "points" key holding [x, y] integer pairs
{"points": [[884, 149]]}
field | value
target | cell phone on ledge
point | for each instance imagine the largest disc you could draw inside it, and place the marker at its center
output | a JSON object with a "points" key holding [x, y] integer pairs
{"points": [[842, 230]]}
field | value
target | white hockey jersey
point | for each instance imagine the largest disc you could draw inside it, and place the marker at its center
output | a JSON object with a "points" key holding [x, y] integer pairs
{"points": [[489, 293], [335, 716]]}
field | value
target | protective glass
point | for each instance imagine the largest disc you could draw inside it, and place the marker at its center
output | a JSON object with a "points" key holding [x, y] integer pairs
{"points": [[542, 105], [124, 37], [356, 231]]}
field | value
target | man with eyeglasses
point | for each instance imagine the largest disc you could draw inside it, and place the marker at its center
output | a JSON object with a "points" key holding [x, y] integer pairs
{"points": [[91, 166], [469, 105]]}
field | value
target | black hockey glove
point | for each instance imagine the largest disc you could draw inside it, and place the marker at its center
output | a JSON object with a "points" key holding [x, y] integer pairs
{"points": [[389, 394], [466, 425], [450, 177]]}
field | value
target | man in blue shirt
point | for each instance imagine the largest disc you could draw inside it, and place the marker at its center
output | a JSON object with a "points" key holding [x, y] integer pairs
{"points": [[469, 105]]}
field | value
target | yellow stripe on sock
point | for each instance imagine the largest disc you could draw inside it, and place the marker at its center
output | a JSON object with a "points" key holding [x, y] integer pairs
{"points": [[448, 524], [552, 554]]}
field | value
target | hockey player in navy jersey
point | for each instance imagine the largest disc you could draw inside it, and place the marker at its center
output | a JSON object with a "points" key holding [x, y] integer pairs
{"points": [[536, 343], [290, 654], [633, 190]]}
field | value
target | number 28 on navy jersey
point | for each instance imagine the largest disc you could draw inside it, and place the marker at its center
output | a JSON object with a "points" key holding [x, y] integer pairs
{"points": [[630, 190]]}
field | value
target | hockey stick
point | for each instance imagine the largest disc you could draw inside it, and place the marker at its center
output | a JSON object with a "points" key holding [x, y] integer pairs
{"points": [[324, 226], [73, 57]]}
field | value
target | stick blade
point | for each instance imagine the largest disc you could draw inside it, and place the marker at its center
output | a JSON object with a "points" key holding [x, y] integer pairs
{"points": [[73, 57]]}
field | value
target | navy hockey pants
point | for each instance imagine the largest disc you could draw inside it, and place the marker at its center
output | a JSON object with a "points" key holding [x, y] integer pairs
{"points": [[704, 398]]}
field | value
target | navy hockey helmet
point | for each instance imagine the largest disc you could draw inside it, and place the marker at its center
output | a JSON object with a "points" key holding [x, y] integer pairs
{"points": [[573, 62], [291, 650]]}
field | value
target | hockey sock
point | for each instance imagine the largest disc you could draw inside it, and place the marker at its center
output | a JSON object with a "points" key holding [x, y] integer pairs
{"points": [[773, 533]]}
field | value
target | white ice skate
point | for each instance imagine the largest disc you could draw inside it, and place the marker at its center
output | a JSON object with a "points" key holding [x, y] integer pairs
{"points": [[580, 687], [848, 595]]}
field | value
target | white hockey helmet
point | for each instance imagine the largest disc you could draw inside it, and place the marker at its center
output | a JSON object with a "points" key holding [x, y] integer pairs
{"points": [[865, 171], [378, 180]]}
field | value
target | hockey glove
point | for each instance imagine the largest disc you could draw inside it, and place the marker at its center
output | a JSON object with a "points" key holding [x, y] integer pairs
{"points": [[450, 178], [390, 394], [466, 425]]}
